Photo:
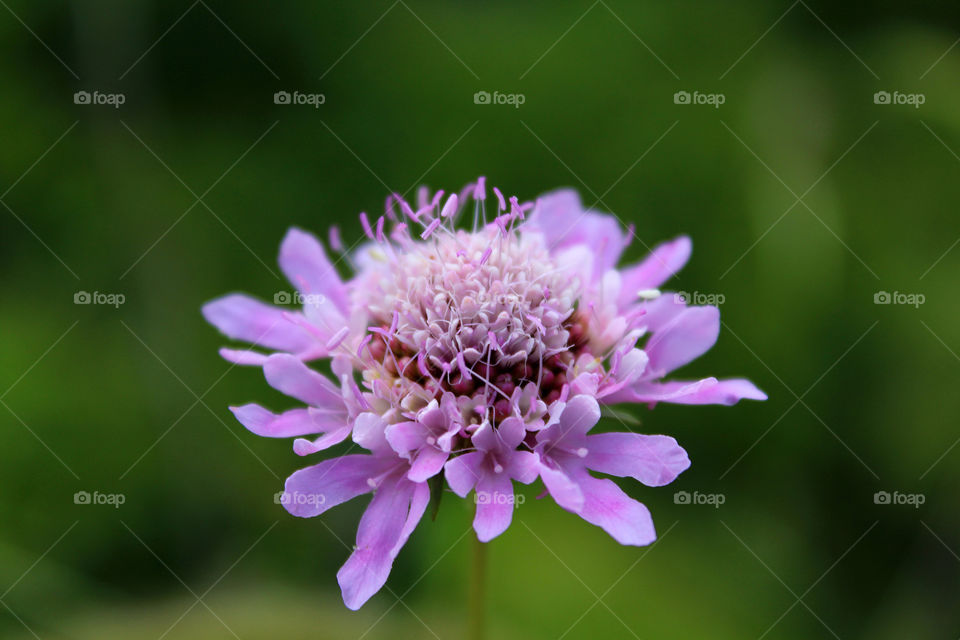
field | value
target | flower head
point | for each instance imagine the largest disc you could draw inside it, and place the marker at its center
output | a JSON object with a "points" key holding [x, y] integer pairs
{"points": [[477, 355]]}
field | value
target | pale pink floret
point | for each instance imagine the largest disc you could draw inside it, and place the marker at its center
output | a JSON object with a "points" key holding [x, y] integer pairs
{"points": [[478, 356]]}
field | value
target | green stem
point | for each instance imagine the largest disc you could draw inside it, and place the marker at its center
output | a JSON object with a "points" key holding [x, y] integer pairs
{"points": [[477, 590]]}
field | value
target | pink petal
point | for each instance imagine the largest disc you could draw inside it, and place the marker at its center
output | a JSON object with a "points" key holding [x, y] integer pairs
{"points": [[604, 233], [564, 222], [369, 431], [304, 447], [664, 261], [428, 463], [289, 375], [494, 506], [512, 432], [578, 417], [405, 437], [564, 491], [688, 336], [463, 472], [296, 422], [304, 262], [485, 438], [392, 515], [241, 317], [705, 391], [653, 460], [311, 491], [243, 357], [606, 506], [523, 466]]}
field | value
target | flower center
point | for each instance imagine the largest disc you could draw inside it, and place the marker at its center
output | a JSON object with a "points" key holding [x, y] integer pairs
{"points": [[473, 313]]}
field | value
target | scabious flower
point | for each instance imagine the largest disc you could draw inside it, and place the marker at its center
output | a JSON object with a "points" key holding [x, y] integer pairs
{"points": [[477, 356]]}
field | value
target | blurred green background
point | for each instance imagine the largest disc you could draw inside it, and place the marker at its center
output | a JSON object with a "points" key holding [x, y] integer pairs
{"points": [[804, 198]]}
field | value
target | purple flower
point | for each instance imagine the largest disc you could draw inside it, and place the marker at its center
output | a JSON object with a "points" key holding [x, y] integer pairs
{"points": [[478, 357], [490, 470], [566, 453]]}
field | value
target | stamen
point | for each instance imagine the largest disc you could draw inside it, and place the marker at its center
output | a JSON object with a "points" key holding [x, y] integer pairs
{"points": [[365, 223], [464, 371], [335, 242], [501, 205], [450, 207], [480, 190], [423, 195], [393, 325], [388, 207], [430, 229], [363, 343], [380, 236], [337, 338]]}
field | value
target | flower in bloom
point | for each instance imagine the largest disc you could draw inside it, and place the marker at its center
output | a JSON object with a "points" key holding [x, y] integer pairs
{"points": [[477, 354]]}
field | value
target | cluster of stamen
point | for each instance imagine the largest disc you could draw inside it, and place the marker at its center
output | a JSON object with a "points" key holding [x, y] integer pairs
{"points": [[478, 313]]}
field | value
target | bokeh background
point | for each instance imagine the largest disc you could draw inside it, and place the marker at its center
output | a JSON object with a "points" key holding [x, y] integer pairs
{"points": [[804, 196]]}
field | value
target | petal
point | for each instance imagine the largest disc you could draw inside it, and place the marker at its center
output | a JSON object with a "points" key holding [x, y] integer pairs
{"points": [[241, 317], [296, 422], [494, 506], [578, 417], [369, 431], [512, 432], [604, 234], [523, 466], [485, 438], [562, 219], [556, 214], [392, 515], [418, 504], [330, 418], [463, 472], [405, 437], [606, 506], [564, 491], [624, 372], [705, 391], [688, 336], [304, 262], [311, 491], [289, 375], [664, 261], [428, 463], [304, 447], [243, 356], [653, 460]]}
